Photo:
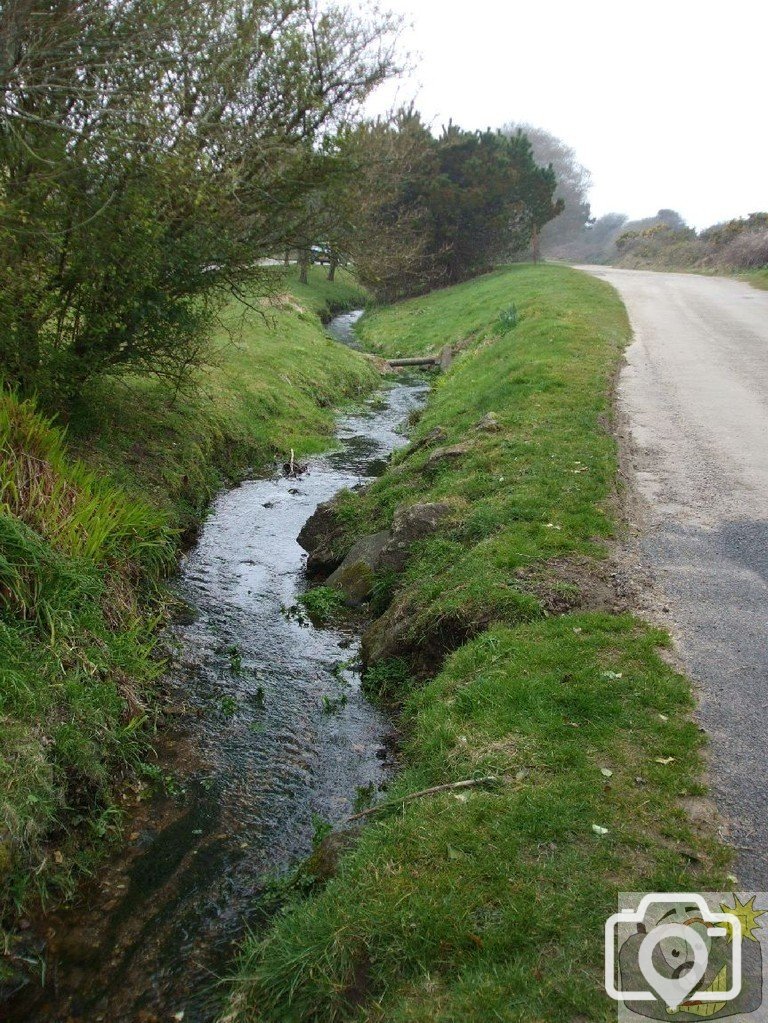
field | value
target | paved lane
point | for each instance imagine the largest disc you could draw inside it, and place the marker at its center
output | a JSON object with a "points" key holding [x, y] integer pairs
{"points": [[695, 391]]}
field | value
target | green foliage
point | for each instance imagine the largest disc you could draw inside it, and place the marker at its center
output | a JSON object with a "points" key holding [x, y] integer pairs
{"points": [[77, 651], [150, 155], [433, 211], [323, 604], [530, 491], [388, 680], [80, 559], [664, 242], [274, 387], [507, 320]]}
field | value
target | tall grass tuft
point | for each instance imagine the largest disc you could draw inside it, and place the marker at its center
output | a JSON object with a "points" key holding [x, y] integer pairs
{"points": [[78, 513], [77, 639]]}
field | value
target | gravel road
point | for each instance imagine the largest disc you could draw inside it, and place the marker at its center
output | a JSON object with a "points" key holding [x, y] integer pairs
{"points": [[695, 393]]}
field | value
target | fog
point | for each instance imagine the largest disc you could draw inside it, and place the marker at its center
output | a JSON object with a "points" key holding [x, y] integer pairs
{"points": [[663, 101]]}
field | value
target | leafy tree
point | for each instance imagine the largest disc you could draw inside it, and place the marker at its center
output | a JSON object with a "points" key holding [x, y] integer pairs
{"points": [[432, 211], [573, 183], [151, 151]]}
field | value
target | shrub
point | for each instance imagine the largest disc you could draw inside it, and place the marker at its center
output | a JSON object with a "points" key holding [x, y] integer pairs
{"points": [[748, 251]]}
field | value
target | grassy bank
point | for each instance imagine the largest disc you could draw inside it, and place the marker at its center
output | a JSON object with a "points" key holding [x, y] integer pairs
{"points": [[489, 903], [83, 549], [758, 278], [275, 382]]}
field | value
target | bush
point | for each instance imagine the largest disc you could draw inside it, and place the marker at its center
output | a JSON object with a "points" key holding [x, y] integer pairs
{"points": [[748, 251]]}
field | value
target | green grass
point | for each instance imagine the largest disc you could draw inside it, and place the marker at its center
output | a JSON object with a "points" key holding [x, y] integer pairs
{"points": [[323, 604], [758, 278], [538, 489], [276, 381], [489, 903], [77, 560], [82, 552]]}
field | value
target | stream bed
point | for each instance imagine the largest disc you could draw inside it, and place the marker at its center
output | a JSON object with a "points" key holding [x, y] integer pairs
{"points": [[275, 736]]}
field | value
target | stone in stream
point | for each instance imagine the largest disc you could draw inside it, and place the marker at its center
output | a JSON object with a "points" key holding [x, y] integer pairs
{"points": [[387, 637], [386, 550], [355, 575], [319, 537]]}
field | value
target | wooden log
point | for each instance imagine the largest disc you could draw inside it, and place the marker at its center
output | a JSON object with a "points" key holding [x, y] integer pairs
{"points": [[426, 360]]}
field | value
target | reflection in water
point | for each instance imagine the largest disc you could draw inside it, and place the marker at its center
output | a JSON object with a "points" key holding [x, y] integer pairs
{"points": [[263, 759]]}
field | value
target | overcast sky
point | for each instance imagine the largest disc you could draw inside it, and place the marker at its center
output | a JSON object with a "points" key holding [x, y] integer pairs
{"points": [[665, 102]]}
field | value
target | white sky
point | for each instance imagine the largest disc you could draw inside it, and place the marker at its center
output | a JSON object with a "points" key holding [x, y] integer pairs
{"points": [[665, 102]]}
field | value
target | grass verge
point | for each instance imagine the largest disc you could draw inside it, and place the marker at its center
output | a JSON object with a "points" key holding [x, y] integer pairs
{"points": [[758, 278], [82, 551], [489, 903]]}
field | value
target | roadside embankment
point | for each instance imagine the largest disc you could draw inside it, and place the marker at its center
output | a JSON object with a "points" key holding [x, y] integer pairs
{"points": [[505, 639], [83, 548]]}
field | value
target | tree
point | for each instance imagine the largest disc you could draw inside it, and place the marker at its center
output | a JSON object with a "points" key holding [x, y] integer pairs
{"points": [[432, 211], [151, 151], [381, 219], [573, 184]]}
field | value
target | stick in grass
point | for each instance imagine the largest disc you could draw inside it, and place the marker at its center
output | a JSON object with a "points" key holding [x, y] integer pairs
{"points": [[467, 784]]}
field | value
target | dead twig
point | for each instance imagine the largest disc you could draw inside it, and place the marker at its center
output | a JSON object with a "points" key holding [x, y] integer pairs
{"points": [[467, 784]]}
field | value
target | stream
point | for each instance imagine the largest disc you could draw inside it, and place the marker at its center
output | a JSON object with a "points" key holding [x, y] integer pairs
{"points": [[274, 736]]}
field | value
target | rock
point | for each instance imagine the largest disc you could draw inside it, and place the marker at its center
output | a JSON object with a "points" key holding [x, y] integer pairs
{"points": [[323, 864], [411, 523], [354, 576], [441, 456], [319, 536], [435, 436], [388, 636], [489, 424]]}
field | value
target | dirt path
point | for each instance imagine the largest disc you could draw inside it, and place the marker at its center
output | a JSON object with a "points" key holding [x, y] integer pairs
{"points": [[695, 393]]}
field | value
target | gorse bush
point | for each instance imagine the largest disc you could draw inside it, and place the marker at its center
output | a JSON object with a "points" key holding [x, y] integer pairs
{"points": [[667, 243]]}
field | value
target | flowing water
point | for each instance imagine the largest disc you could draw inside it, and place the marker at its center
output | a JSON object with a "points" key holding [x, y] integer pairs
{"points": [[276, 736]]}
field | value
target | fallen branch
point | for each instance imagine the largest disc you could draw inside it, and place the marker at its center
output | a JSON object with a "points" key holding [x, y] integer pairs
{"points": [[468, 784]]}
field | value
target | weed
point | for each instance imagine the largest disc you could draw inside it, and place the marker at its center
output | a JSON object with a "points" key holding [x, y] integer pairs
{"points": [[507, 320], [334, 704], [322, 827], [227, 706], [235, 660], [364, 796], [323, 604], [387, 680]]}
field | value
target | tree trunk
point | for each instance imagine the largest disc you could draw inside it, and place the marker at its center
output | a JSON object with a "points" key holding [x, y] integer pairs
{"points": [[334, 262], [287, 259], [535, 245], [304, 261]]}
